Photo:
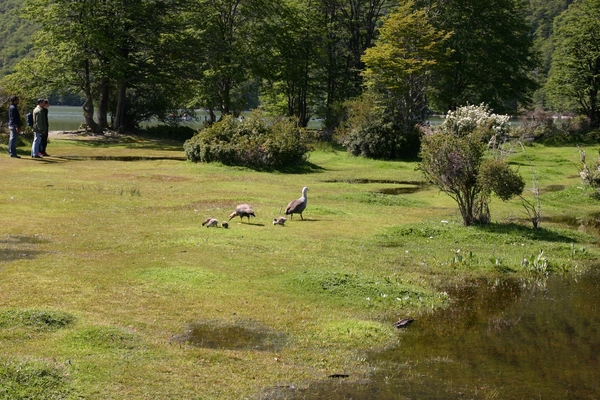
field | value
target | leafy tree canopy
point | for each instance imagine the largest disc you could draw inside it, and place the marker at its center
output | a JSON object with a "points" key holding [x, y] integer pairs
{"points": [[574, 79]]}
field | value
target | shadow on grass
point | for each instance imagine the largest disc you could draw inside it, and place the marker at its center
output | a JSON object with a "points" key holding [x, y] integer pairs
{"points": [[127, 141], [296, 169], [119, 158], [540, 234]]}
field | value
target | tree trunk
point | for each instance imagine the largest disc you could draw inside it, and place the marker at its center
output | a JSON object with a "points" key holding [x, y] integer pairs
{"points": [[118, 123], [103, 104], [88, 106]]}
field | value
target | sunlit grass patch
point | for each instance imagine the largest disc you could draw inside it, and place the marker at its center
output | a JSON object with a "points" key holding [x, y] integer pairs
{"points": [[399, 235], [102, 338], [177, 277], [367, 291], [572, 195], [355, 334], [379, 199], [22, 379], [495, 247], [38, 320]]}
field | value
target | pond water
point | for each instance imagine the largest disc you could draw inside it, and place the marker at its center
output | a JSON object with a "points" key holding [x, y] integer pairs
{"points": [[536, 338], [509, 339]]}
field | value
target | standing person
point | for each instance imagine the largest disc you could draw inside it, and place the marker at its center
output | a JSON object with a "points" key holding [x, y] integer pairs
{"points": [[44, 141], [39, 126], [14, 125]]}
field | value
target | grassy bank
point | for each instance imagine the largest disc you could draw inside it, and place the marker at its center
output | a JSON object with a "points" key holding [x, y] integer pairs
{"points": [[110, 288]]}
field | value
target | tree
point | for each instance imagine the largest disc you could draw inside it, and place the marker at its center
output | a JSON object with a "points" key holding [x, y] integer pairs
{"points": [[397, 74], [453, 159], [492, 58], [291, 50], [540, 15], [574, 79], [225, 34], [102, 49], [401, 63], [350, 29], [15, 35]]}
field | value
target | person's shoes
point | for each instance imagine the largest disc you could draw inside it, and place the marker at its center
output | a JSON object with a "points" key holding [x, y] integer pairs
{"points": [[45, 154], [36, 157], [40, 154], [15, 156]]}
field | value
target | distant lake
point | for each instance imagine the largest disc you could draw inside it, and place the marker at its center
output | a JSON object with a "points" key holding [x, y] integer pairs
{"points": [[70, 118]]}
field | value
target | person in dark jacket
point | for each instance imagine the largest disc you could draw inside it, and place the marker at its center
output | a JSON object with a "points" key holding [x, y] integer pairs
{"points": [[39, 126], [14, 125], [44, 141]]}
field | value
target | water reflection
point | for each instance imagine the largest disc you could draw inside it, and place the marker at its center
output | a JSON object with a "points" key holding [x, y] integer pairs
{"points": [[510, 339]]}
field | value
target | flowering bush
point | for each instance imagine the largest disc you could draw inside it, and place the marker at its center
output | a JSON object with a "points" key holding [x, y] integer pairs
{"points": [[468, 118]]}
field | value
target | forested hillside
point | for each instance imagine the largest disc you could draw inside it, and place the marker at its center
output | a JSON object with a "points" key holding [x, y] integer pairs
{"points": [[15, 35], [142, 59]]}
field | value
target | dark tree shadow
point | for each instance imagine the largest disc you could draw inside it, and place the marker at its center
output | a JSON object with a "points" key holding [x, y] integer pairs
{"points": [[541, 234]]}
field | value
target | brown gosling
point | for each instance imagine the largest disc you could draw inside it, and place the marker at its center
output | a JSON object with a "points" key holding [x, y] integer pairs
{"points": [[224, 224], [210, 222]]}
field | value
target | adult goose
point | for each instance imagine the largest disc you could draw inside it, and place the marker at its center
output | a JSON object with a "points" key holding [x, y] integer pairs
{"points": [[243, 210], [297, 206]]}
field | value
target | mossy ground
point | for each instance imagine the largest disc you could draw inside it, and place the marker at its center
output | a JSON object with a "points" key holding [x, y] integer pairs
{"points": [[104, 263]]}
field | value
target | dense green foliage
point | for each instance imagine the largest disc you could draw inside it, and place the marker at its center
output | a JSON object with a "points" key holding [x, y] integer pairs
{"points": [[15, 35], [145, 60], [541, 15], [369, 130], [491, 54], [257, 141], [574, 81]]}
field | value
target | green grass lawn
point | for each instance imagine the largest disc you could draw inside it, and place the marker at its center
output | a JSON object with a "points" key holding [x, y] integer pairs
{"points": [[110, 288]]}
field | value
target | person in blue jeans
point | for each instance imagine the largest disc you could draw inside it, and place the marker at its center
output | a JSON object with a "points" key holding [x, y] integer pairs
{"points": [[39, 127], [14, 125]]}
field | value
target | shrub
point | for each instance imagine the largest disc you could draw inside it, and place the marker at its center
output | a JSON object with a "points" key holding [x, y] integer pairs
{"points": [[589, 175], [453, 160], [537, 124], [257, 141], [369, 131]]}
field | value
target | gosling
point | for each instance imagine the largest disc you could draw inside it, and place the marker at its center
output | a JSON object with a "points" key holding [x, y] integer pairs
{"points": [[279, 221]]}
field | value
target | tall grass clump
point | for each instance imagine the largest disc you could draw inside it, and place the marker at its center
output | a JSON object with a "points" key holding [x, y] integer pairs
{"points": [[28, 379], [257, 141], [39, 320]]}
